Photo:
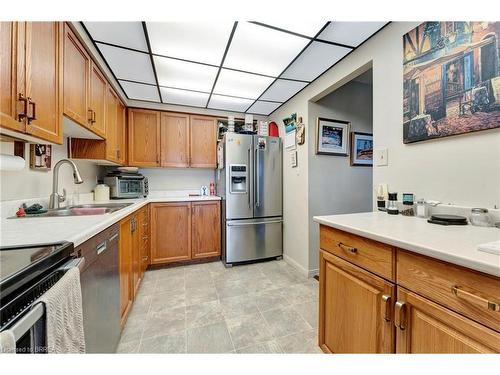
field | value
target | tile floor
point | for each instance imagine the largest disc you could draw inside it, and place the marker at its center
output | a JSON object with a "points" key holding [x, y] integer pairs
{"points": [[206, 308]]}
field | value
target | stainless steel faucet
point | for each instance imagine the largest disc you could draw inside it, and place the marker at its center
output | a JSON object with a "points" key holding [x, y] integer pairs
{"points": [[55, 198]]}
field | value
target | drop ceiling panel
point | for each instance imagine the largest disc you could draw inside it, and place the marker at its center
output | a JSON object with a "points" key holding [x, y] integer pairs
{"points": [[184, 97], [228, 103], [240, 84], [126, 34], [263, 108], [140, 91], [184, 75], [317, 58], [282, 90], [197, 41], [262, 50], [350, 33], [125, 64], [304, 27]]}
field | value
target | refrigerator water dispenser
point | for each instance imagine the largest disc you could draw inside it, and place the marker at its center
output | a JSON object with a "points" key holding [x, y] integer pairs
{"points": [[238, 175]]}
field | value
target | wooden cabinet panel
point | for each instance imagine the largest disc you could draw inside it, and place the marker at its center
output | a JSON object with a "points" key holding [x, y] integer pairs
{"points": [[170, 232], [76, 79], [426, 327], [354, 309], [111, 125], [203, 142], [121, 133], [143, 138], [98, 87], [136, 255], [44, 82], [174, 140], [12, 74], [206, 230], [125, 267], [143, 219], [371, 255]]}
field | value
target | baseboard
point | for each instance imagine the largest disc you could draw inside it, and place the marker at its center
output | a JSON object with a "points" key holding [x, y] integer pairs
{"points": [[313, 273], [296, 265]]}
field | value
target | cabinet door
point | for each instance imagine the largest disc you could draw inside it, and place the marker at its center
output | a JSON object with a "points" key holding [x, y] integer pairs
{"points": [[174, 140], [170, 232], [44, 79], [121, 133], [206, 228], [12, 75], [125, 267], [143, 218], [136, 256], [98, 87], [111, 124], [143, 138], [203, 142], [423, 326], [354, 309], [76, 79]]}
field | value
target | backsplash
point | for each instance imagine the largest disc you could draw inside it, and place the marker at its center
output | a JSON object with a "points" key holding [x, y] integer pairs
{"points": [[178, 178]]}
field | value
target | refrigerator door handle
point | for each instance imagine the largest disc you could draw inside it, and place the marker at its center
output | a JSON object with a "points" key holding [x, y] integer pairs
{"points": [[257, 180], [248, 175], [253, 223]]}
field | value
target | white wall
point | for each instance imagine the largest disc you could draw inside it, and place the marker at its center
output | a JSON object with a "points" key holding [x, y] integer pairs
{"points": [[335, 187], [178, 178], [464, 170]]}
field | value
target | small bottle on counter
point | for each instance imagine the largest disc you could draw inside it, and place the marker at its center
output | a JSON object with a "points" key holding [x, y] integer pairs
{"points": [[212, 189], [392, 204], [421, 208]]}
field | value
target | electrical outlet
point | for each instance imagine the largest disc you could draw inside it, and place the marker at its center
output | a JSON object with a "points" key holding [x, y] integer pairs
{"points": [[380, 156]]}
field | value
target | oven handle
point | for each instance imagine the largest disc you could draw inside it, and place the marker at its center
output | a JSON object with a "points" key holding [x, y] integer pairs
{"points": [[75, 262]]}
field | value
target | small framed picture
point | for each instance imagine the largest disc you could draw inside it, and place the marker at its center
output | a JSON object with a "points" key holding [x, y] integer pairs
{"points": [[332, 137], [40, 157], [361, 149]]}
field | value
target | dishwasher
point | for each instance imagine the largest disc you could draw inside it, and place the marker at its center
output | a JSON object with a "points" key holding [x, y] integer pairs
{"points": [[101, 291]]}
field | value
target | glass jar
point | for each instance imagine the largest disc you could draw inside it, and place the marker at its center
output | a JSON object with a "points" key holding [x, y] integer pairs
{"points": [[479, 217], [421, 208]]}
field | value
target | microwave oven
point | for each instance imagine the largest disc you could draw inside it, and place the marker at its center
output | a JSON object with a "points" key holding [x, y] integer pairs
{"points": [[127, 186]]}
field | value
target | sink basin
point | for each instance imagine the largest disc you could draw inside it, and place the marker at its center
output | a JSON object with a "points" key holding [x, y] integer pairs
{"points": [[81, 210]]}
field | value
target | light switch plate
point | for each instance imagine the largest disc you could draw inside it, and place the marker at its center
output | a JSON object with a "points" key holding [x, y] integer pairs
{"points": [[381, 157]]}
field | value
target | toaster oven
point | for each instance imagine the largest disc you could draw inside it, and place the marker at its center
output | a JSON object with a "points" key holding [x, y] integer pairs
{"points": [[127, 186]]}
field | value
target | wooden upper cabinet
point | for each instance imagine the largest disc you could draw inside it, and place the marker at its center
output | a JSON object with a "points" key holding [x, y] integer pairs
{"points": [[203, 141], [143, 138], [76, 79], [111, 125], [44, 83], [170, 232], [423, 326], [174, 143], [355, 314], [206, 229], [97, 99], [121, 133], [12, 74]]}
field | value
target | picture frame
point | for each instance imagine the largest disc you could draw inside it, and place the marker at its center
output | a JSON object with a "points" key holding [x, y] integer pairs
{"points": [[361, 149], [40, 157], [332, 137]]}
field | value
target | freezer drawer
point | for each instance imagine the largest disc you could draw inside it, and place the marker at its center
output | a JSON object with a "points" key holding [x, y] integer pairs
{"points": [[254, 239]]}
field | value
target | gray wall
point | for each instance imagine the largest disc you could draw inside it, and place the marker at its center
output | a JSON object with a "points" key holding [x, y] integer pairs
{"points": [[334, 186]]}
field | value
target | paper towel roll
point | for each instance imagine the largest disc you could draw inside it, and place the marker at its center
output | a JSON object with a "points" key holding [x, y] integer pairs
{"points": [[11, 163]]}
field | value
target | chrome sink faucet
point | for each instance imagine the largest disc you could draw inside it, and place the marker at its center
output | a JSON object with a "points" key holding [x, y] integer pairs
{"points": [[55, 198]]}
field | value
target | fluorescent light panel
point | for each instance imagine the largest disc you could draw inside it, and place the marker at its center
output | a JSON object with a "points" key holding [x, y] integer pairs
{"points": [[140, 91], [305, 27], [184, 75], [183, 97], [126, 34], [197, 41], [317, 58], [228, 103], [263, 108], [134, 66], [240, 84], [282, 90], [262, 50], [350, 33]]}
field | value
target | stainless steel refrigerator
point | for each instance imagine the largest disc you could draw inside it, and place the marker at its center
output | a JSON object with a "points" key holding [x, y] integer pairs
{"points": [[249, 180]]}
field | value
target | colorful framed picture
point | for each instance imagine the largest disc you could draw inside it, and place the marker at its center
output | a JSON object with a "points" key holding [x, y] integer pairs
{"points": [[332, 137], [361, 149]]}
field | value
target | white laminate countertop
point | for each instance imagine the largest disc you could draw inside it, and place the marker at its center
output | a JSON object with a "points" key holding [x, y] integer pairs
{"points": [[76, 229], [454, 244]]}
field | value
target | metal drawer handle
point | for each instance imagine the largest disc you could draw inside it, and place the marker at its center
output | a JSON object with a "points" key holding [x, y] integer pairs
{"points": [[101, 247], [21, 116], [386, 307], [33, 111], [400, 315], [113, 237], [469, 296], [351, 249]]}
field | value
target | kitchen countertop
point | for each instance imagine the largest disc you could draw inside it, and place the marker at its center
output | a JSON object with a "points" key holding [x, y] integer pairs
{"points": [[76, 229], [453, 244]]}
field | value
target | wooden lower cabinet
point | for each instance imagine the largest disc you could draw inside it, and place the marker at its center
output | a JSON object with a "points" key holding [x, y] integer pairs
{"points": [[125, 267], [144, 238], [355, 309], [423, 326], [205, 229]]}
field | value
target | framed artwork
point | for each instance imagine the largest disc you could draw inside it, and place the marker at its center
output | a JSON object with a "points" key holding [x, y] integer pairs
{"points": [[451, 80], [361, 149], [40, 157], [332, 137]]}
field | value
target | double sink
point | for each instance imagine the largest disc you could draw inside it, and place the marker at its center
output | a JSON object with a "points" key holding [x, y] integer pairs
{"points": [[81, 210]]}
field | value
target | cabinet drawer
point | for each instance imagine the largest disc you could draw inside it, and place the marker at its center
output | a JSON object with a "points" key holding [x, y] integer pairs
{"points": [[467, 292], [368, 254]]}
